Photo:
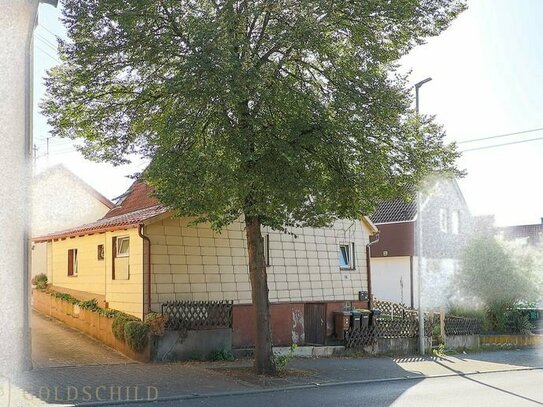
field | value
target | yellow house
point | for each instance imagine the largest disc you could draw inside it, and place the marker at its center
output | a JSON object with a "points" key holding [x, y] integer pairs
{"points": [[138, 256]]}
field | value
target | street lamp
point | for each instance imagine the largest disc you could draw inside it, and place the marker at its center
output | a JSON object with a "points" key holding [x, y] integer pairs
{"points": [[419, 233]]}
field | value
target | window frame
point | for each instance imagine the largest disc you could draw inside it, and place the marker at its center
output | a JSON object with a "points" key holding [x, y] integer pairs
{"points": [[118, 241], [72, 263], [266, 239], [350, 256], [100, 252]]}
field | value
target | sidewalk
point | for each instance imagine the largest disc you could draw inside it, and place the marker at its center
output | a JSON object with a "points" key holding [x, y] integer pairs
{"points": [[112, 384]]}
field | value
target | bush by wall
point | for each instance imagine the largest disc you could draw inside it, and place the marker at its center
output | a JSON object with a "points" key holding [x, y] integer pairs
{"points": [[40, 281], [136, 335]]}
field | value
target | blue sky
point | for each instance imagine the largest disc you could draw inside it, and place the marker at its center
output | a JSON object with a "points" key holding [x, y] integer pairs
{"points": [[487, 80]]}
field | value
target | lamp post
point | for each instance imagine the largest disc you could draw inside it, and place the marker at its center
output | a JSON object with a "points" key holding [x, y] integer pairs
{"points": [[419, 234]]}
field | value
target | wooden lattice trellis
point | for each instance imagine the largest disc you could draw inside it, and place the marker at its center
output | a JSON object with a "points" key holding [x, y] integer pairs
{"points": [[197, 315], [462, 326], [385, 328], [394, 310]]}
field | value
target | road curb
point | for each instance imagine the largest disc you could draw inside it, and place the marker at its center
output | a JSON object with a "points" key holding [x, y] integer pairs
{"points": [[298, 387]]}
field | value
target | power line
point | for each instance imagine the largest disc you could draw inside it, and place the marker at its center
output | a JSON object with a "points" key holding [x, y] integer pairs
{"points": [[47, 29], [501, 145], [46, 43], [48, 54], [500, 136]]}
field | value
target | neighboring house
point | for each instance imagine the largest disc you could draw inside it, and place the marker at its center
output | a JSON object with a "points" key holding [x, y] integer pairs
{"points": [[61, 200], [529, 235], [446, 224], [138, 256]]}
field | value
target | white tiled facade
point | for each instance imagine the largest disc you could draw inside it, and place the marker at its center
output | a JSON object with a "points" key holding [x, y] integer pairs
{"points": [[194, 263]]}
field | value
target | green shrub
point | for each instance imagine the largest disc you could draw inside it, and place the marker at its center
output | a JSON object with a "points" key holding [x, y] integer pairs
{"points": [[91, 305], [136, 335], [66, 297], [281, 360], [517, 322], [221, 355], [40, 281], [118, 326], [108, 312]]}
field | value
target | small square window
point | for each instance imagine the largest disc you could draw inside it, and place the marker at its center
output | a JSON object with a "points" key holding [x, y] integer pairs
{"points": [[123, 244], [100, 254], [346, 256]]}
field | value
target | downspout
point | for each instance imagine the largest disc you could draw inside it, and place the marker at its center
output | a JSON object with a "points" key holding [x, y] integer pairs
{"points": [[368, 269], [148, 241]]}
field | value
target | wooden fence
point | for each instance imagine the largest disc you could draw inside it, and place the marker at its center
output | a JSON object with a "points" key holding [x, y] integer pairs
{"points": [[196, 315], [385, 328]]}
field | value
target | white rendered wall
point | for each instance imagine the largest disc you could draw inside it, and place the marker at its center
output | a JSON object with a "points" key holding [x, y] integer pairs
{"points": [[17, 19], [391, 280]]}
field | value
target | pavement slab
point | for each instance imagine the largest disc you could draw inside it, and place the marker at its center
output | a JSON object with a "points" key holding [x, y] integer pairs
{"points": [[109, 384], [55, 344]]}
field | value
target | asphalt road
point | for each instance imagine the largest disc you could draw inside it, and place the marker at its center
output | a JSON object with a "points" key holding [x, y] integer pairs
{"points": [[514, 388]]}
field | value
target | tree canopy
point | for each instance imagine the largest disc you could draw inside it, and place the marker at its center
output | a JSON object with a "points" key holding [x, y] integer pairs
{"points": [[283, 113], [291, 111]]}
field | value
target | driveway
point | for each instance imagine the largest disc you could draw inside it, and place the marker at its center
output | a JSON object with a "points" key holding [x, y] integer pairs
{"points": [[55, 344]]}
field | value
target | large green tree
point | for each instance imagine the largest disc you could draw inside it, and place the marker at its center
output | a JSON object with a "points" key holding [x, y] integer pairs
{"points": [[281, 113]]}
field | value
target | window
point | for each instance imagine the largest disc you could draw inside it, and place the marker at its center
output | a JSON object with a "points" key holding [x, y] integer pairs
{"points": [[123, 244], [267, 250], [100, 254], [455, 222], [72, 262], [120, 269], [346, 256], [443, 220]]}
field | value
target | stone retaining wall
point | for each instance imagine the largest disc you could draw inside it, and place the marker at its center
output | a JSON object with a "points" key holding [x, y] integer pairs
{"points": [[517, 340], [463, 342], [88, 322]]}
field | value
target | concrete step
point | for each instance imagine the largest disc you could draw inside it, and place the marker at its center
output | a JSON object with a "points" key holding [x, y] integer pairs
{"points": [[300, 351]]}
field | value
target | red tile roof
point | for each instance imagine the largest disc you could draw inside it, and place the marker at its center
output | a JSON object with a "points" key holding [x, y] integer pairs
{"points": [[136, 206], [138, 196], [123, 221]]}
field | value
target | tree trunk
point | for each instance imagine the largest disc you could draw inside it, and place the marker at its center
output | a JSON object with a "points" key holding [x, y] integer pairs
{"points": [[264, 362]]}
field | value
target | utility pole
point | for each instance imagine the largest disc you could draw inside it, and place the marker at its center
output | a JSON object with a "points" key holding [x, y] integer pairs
{"points": [[419, 234]]}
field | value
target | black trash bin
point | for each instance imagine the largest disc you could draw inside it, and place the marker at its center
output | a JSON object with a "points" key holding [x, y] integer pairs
{"points": [[355, 319], [364, 317]]}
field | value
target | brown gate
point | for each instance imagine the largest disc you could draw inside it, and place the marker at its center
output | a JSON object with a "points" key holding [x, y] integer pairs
{"points": [[314, 323]]}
